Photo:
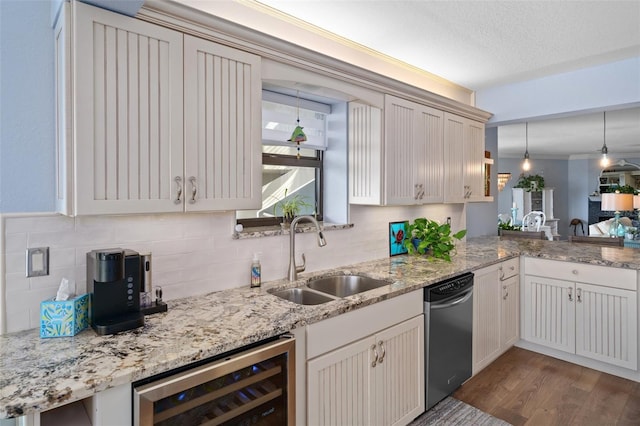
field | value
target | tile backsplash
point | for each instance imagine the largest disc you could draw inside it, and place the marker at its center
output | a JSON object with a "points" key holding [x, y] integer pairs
{"points": [[193, 253]]}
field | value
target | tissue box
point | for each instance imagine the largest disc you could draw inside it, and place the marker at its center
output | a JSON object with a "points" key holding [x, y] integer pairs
{"points": [[60, 318]]}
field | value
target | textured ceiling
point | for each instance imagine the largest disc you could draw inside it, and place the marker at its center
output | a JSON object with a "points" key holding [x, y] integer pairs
{"points": [[478, 44]]}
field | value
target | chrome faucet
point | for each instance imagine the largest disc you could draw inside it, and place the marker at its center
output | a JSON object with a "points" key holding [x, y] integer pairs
{"points": [[293, 269]]}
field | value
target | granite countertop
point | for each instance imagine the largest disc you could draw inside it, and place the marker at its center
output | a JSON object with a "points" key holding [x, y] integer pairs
{"points": [[39, 374]]}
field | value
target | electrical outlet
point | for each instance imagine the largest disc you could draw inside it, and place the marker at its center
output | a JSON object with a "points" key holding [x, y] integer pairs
{"points": [[37, 262]]}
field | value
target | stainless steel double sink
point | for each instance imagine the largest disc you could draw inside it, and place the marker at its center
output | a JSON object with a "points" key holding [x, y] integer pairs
{"points": [[326, 289]]}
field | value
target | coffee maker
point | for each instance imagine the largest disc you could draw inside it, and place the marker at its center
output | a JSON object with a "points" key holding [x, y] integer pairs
{"points": [[113, 280]]}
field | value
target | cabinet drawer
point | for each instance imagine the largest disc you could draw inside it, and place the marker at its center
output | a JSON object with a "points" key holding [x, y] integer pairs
{"points": [[579, 272], [335, 332], [509, 268]]}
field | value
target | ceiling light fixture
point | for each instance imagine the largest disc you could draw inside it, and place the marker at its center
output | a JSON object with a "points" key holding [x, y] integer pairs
{"points": [[526, 164], [503, 178], [604, 161]]}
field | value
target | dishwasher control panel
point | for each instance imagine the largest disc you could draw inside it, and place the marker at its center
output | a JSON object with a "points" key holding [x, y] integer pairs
{"points": [[445, 289]]}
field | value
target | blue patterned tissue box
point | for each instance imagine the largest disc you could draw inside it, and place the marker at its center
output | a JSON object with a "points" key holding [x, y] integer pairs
{"points": [[60, 318]]}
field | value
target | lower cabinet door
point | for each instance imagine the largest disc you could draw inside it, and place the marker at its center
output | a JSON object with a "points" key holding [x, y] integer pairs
{"points": [[378, 380], [549, 313], [339, 385], [486, 317], [399, 373], [510, 312], [606, 324]]}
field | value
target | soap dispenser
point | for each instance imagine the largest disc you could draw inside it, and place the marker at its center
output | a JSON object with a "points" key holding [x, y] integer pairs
{"points": [[255, 271]]}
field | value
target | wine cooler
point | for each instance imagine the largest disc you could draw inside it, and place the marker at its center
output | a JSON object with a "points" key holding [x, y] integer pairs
{"points": [[253, 387]]}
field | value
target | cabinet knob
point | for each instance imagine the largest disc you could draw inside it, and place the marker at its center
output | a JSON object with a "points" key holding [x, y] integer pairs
{"points": [[574, 272]]}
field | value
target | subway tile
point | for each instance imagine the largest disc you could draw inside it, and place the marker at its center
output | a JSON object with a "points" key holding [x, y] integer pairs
{"points": [[16, 242], [38, 223]]}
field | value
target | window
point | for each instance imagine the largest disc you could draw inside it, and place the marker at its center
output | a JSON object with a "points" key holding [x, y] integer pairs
{"points": [[285, 175]]}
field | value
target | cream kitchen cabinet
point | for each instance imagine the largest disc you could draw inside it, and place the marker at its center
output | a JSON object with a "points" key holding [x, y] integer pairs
{"points": [[464, 159], [400, 165], [150, 120], [377, 378], [585, 310], [222, 108], [413, 154], [366, 154], [495, 311]]}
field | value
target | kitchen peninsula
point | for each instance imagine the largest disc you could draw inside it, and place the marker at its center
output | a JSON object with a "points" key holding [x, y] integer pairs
{"points": [[38, 375]]}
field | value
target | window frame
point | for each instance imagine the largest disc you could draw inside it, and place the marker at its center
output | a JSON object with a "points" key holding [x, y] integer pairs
{"points": [[291, 160]]}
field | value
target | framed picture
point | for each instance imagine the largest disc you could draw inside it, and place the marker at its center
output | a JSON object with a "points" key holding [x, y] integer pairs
{"points": [[397, 235]]}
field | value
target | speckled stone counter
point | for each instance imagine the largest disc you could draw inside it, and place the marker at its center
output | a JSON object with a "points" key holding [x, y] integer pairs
{"points": [[40, 374]]}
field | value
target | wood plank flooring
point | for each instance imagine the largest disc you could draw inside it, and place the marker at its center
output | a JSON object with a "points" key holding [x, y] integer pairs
{"points": [[527, 388]]}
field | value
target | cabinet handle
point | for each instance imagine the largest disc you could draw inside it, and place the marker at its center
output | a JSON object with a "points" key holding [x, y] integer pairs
{"points": [[570, 295], [579, 295], [178, 181], [375, 355], [506, 293], [194, 190], [384, 352], [501, 274]]}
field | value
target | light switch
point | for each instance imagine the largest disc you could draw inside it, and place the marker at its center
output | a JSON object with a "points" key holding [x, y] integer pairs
{"points": [[37, 262]]}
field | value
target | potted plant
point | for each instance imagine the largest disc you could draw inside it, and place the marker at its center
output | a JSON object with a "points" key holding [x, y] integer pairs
{"points": [[426, 236], [504, 226], [290, 207], [624, 189], [530, 182]]}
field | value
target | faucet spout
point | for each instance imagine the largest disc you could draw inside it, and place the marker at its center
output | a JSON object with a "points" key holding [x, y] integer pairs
{"points": [[293, 268]]}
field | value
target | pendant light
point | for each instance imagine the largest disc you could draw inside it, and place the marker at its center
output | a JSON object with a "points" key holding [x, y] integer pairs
{"points": [[526, 164], [604, 161]]}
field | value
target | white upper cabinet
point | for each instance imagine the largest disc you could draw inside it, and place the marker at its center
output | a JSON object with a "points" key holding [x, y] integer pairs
{"points": [[365, 154], [454, 189], [127, 102], [145, 137], [223, 162], [474, 160], [464, 159], [413, 153], [406, 165]]}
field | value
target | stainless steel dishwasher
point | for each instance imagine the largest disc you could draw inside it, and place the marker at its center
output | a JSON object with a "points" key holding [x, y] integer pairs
{"points": [[448, 316]]}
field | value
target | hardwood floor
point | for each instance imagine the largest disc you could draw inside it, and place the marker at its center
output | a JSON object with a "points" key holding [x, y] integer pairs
{"points": [[527, 388]]}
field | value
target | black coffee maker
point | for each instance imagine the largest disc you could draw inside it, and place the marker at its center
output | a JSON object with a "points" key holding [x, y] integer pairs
{"points": [[113, 280]]}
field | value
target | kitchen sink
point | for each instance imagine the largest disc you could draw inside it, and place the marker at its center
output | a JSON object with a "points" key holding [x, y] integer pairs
{"points": [[302, 296], [345, 285]]}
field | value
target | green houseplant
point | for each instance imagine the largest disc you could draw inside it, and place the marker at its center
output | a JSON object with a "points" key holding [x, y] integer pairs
{"points": [[290, 207], [624, 189], [426, 236], [526, 181]]}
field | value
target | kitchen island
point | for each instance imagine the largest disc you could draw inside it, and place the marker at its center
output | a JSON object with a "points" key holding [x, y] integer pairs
{"points": [[40, 374]]}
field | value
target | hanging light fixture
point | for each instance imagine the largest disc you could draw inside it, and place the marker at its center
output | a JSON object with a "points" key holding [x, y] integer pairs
{"points": [[604, 161], [298, 135], [526, 164]]}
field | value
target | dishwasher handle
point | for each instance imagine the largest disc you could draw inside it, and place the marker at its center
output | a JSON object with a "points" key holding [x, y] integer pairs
{"points": [[466, 296]]}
